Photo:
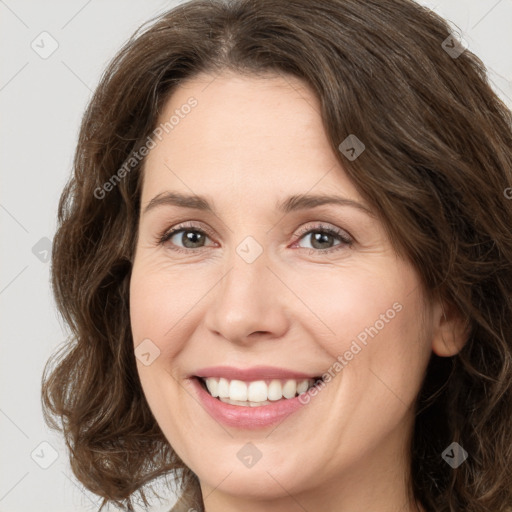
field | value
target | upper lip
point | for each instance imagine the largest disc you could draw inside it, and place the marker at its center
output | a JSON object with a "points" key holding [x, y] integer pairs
{"points": [[251, 374]]}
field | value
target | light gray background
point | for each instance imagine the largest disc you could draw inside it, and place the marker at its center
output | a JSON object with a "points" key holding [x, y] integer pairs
{"points": [[41, 102]]}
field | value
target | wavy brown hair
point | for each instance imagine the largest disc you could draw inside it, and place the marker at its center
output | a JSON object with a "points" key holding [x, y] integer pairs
{"points": [[438, 159]]}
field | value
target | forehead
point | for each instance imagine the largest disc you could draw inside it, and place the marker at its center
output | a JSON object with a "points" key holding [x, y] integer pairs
{"points": [[262, 135]]}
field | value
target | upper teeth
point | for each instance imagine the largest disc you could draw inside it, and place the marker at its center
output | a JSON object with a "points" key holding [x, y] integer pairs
{"points": [[256, 391]]}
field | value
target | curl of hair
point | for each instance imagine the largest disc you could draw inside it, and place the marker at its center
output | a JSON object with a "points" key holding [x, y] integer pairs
{"points": [[438, 158]]}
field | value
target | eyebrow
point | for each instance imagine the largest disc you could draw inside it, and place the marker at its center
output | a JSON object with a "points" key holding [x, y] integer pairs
{"points": [[290, 204]]}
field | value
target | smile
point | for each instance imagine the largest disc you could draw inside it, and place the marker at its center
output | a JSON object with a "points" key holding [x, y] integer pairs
{"points": [[250, 398], [255, 393]]}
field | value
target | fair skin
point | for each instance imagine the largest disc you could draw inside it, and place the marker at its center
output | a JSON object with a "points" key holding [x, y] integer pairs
{"points": [[247, 145]]}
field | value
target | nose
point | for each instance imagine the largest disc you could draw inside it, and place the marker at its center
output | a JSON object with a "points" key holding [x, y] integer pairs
{"points": [[249, 303]]}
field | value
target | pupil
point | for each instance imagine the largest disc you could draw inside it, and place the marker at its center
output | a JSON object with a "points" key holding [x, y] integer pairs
{"points": [[193, 237], [322, 238]]}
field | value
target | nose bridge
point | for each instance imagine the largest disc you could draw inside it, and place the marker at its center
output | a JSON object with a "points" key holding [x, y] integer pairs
{"points": [[246, 301]]}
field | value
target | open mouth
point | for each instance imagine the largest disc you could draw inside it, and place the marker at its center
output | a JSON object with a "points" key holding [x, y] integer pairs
{"points": [[255, 393]]}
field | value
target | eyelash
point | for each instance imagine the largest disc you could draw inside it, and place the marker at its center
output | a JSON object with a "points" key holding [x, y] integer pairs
{"points": [[345, 240]]}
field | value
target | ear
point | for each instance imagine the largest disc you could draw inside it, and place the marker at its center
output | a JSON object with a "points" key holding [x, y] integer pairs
{"points": [[450, 330]]}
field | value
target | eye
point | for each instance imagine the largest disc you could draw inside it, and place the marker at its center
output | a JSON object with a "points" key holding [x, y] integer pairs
{"points": [[187, 234], [191, 237], [321, 237]]}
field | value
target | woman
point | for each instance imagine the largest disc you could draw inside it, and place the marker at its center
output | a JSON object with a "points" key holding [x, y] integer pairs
{"points": [[285, 256]]}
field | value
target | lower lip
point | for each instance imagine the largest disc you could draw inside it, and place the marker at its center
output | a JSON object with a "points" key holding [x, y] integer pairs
{"points": [[246, 417]]}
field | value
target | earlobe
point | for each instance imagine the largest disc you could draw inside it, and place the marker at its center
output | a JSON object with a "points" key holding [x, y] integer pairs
{"points": [[451, 330]]}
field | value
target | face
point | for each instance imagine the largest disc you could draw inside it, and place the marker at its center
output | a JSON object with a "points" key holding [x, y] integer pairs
{"points": [[262, 294]]}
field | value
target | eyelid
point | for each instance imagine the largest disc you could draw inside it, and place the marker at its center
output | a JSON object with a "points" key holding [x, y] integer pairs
{"points": [[320, 226], [190, 224], [345, 237]]}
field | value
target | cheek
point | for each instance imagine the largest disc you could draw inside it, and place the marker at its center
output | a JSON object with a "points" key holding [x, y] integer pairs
{"points": [[372, 324], [347, 306], [155, 308], [166, 306], [394, 354], [155, 304]]}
